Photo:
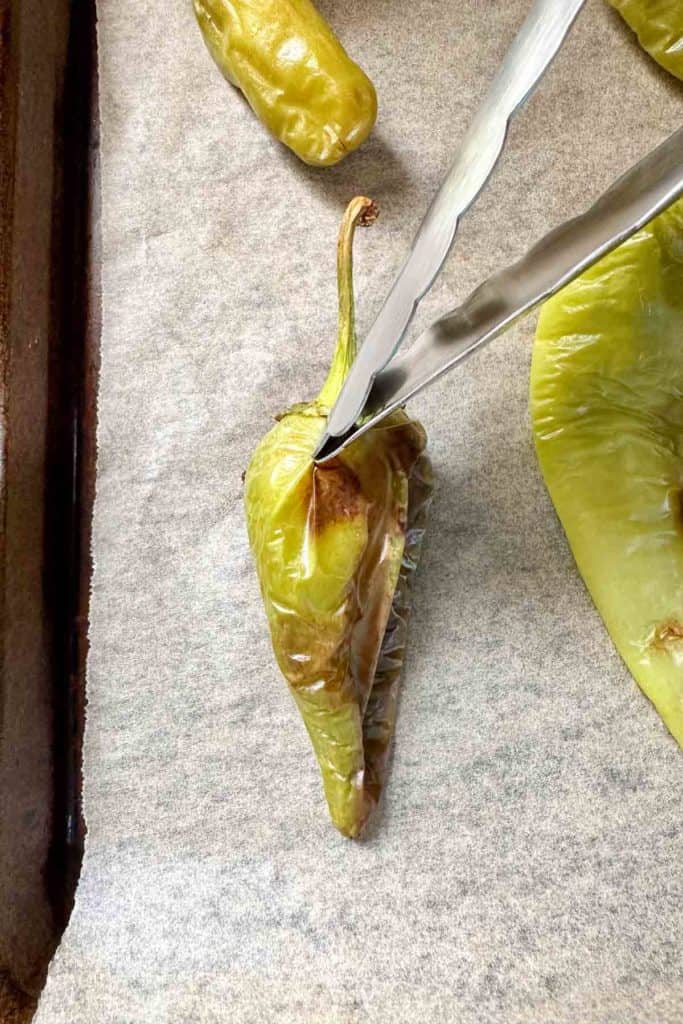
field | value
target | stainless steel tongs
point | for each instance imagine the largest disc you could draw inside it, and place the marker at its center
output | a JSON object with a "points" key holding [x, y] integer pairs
{"points": [[377, 383]]}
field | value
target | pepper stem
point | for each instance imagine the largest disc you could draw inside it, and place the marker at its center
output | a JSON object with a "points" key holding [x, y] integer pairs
{"points": [[360, 211]]}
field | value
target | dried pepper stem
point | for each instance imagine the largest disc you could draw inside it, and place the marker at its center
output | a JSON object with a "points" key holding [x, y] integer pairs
{"points": [[360, 211]]}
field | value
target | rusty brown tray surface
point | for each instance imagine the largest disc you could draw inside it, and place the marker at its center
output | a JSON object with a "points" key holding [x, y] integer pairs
{"points": [[49, 331]]}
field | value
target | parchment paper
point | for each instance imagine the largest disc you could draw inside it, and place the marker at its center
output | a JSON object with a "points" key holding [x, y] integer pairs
{"points": [[527, 864]]}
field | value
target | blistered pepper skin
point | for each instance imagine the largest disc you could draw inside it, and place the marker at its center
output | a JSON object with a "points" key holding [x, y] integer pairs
{"points": [[294, 73], [607, 412], [335, 548], [659, 27]]}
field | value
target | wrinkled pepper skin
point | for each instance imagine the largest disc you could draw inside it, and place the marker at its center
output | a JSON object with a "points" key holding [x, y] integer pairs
{"points": [[335, 548], [294, 73], [659, 27], [607, 412]]}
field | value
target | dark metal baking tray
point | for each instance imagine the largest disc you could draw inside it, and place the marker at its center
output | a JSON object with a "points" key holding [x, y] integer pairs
{"points": [[49, 338]]}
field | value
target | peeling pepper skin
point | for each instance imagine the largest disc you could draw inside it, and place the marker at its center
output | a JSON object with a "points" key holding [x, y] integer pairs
{"points": [[607, 413], [294, 73], [336, 547]]}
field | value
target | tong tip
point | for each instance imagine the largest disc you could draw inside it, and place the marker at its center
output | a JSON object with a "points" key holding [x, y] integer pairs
{"points": [[331, 445], [326, 448]]}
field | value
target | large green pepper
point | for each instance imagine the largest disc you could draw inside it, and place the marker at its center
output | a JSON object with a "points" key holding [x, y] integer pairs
{"points": [[335, 548], [659, 27], [607, 409], [294, 72]]}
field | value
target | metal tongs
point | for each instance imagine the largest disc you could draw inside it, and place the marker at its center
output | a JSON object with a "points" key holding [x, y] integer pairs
{"points": [[377, 384]]}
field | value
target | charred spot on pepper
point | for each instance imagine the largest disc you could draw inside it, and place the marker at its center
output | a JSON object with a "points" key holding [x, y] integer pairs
{"points": [[335, 495], [405, 444], [666, 635]]}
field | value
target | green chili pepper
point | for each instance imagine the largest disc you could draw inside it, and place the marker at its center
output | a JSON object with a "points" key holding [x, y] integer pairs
{"points": [[607, 410], [294, 73], [659, 27], [335, 548]]}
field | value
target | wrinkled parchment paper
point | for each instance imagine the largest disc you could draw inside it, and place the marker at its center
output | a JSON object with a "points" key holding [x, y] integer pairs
{"points": [[527, 864]]}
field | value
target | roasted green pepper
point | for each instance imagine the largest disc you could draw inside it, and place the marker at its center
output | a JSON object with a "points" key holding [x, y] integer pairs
{"points": [[335, 548], [607, 410], [659, 27], [293, 71]]}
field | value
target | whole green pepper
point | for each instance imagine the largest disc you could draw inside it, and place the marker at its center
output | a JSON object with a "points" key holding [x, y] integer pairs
{"points": [[607, 410], [294, 73], [335, 548]]}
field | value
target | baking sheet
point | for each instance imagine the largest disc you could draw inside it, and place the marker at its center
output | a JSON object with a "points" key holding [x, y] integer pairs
{"points": [[526, 866]]}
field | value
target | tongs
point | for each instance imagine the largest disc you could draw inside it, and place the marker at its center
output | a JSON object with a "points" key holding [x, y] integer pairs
{"points": [[377, 382]]}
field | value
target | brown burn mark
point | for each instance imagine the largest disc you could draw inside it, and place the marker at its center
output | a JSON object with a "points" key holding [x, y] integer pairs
{"points": [[667, 634], [332, 495], [404, 442]]}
